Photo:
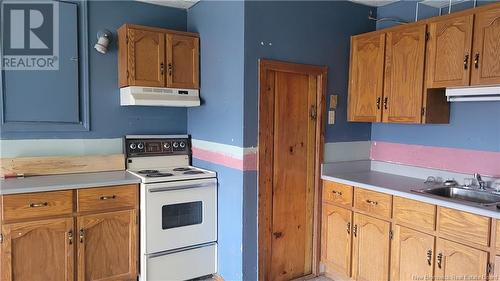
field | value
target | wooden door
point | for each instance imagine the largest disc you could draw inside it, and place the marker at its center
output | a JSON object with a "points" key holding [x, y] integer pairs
{"points": [[366, 78], [453, 259], [412, 254], [38, 251], [404, 75], [289, 157], [183, 54], [107, 246], [336, 249], [449, 52], [370, 252], [486, 46], [146, 58]]}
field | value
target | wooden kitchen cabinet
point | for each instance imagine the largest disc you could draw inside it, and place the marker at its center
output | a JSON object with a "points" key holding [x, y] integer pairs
{"points": [[107, 246], [336, 244], [157, 57], [449, 52], [404, 75], [38, 250], [370, 252], [486, 48], [454, 260], [366, 78], [182, 61], [412, 254]]}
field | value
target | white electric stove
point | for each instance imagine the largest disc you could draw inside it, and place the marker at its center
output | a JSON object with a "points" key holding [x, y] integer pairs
{"points": [[178, 209]]}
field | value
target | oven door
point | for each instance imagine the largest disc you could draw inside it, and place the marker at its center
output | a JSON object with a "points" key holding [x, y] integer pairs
{"points": [[180, 214]]}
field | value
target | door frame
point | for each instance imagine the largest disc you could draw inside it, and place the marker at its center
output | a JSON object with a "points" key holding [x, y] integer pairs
{"points": [[265, 160]]}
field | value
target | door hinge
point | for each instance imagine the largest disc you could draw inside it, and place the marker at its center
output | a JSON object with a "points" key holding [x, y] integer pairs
{"points": [[391, 234], [491, 268], [127, 73], [314, 112], [126, 39], [427, 35], [423, 111], [1, 238]]}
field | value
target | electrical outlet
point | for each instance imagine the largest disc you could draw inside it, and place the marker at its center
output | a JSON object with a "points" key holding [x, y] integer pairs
{"points": [[331, 117]]}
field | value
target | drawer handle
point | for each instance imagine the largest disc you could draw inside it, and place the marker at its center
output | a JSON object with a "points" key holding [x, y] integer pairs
{"points": [[348, 228], [38, 205], [337, 192], [107, 197], [82, 235], [439, 259], [70, 237], [371, 202], [355, 230], [429, 257]]}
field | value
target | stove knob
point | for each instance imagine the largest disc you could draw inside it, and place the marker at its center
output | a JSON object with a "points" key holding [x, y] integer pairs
{"points": [[166, 145], [176, 144], [140, 145], [133, 146], [182, 144]]}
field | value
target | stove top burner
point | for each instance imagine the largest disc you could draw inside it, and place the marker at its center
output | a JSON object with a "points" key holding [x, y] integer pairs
{"points": [[148, 171], [158, 174], [182, 169], [192, 172]]}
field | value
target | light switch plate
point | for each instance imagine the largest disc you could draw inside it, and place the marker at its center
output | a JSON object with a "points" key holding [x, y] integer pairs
{"points": [[331, 117], [334, 101]]}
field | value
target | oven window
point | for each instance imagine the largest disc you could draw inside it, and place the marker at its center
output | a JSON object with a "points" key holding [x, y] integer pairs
{"points": [[182, 214]]}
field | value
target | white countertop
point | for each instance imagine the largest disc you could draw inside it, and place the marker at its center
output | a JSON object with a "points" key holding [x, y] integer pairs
{"points": [[397, 185], [68, 181]]}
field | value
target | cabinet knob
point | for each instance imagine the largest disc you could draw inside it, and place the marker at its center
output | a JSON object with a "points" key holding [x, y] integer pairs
{"points": [[476, 60], [162, 68], [429, 257], [82, 235], [378, 103], [439, 259], [466, 61], [348, 228], [170, 69], [70, 237], [386, 101], [355, 230], [371, 202]]}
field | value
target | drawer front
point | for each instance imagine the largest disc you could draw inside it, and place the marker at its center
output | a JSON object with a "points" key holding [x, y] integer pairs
{"points": [[373, 202], [337, 193], [37, 205], [464, 226], [106, 198], [414, 212]]}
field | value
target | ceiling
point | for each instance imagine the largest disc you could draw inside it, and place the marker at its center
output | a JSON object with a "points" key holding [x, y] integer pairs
{"points": [[374, 3], [182, 4]]}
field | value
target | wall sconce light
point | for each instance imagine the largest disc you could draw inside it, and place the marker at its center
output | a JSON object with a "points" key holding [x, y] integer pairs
{"points": [[104, 38]]}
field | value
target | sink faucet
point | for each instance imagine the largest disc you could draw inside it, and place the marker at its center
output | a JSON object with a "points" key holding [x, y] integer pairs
{"points": [[480, 182]]}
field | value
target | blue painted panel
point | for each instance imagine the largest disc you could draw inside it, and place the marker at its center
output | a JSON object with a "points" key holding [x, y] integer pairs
{"points": [[250, 242], [230, 224], [220, 25], [310, 32], [108, 119]]}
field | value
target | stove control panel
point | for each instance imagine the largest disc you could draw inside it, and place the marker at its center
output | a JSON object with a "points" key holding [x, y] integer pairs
{"points": [[157, 146]]}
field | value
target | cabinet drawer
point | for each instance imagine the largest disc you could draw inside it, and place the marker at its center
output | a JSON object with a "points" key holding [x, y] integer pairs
{"points": [[337, 193], [106, 198], [373, 202], [37, 205], [464, 226], [414, 212]]}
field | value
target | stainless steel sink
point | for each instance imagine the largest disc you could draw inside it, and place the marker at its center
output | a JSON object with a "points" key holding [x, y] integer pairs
{"points": [[463, 194]]}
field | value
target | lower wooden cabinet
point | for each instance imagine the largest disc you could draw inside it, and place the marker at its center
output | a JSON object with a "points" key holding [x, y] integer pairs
{"points": [[337, 225], [371, 245], [412, 254], [38, 251], [107, 248], [456, 260]]}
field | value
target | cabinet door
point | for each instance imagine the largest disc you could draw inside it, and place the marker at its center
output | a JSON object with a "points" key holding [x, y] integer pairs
{"points": [[146, 58], [337, 224], [449, 52], [486, 53], [183, 61], [107, 248], [456, 260], [366, 78], [412, 255], [370, 254], [404, 75], [38, 251]]}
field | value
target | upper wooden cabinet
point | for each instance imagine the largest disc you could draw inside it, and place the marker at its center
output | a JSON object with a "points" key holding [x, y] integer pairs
{"points": [[366, 78], [449, 52], [404, 73], [486, 52], [156, 57]]}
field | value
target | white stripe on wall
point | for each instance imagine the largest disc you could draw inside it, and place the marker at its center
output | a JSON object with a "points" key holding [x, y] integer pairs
{"points": [[225, 149], [347, 151], [60, 147]]}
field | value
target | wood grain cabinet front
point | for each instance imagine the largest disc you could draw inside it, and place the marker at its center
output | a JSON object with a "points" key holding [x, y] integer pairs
{"points": [[464, 226], [107, 198], [337, 193], [372, 202], [337, 239]]}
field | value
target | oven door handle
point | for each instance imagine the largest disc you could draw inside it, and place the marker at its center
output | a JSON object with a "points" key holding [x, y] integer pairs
{"points": [[171, 188]]}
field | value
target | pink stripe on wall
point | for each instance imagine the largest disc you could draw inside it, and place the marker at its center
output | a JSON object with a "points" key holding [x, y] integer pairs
{"points": [[248, 163], [442, 158]]}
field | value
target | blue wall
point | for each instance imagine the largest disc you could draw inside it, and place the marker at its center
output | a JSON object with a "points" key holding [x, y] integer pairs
{"points": [[310, 32], [107, 117], [220, 118], [473, 125]]}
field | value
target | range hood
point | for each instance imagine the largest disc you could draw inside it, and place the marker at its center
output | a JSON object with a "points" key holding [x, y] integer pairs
{"points": [[151, 96], [490, 93]]}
